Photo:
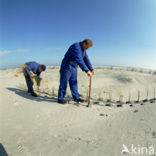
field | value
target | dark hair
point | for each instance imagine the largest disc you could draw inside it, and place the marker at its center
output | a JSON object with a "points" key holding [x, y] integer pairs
{"points": [[43, 67]]}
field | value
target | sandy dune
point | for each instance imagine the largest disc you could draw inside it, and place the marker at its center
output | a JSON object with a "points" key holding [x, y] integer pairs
{"points": [[41, 127]]}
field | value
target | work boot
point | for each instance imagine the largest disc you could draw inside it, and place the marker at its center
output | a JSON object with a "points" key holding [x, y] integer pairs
{"points": [[80, 100], [34, 94], [62, 101]]}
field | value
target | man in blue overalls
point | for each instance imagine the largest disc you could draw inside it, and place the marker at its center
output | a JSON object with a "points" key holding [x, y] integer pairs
{"points": [[33, 70], [76, 55]]}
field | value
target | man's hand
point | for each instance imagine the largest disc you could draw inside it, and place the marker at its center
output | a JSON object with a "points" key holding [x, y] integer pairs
{"points": [[32, 75], [89, 73], [93, 72]]}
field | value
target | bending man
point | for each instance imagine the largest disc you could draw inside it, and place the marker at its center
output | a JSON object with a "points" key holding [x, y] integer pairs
{"points": [[76, 55], [33, 70]]}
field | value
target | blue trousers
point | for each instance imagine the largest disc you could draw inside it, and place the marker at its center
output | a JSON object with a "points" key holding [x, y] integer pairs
{"points": [[29, 84], [71, 76]]}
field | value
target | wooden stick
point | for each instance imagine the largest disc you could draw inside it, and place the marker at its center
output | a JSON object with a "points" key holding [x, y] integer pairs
{"points": [[90, 85]]}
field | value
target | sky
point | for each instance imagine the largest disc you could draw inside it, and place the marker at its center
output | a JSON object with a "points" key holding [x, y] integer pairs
{"points": [[123, 31]]}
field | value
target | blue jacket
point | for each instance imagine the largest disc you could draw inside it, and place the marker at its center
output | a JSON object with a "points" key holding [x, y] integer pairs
{"points": [[76, 56], [33, 66]]}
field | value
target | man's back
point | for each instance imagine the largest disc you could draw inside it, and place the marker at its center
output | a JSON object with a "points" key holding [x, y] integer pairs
{"points": [[33, 66], [73, 57]]}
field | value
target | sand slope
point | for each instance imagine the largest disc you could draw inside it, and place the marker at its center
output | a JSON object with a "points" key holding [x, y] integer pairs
{"points": [[42, 127]]}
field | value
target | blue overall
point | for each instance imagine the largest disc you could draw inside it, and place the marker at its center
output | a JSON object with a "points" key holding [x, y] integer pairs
{"points": [[68, 72], [31, 66]]}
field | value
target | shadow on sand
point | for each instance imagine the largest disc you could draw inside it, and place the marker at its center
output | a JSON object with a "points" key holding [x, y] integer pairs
{"points": [[26, 95], [45, 98], [2, 151]]}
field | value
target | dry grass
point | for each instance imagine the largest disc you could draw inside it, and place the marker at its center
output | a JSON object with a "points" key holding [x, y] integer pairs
{"points": [[154, 90], [16, 75], [99, 93], [150, 72], [53, 88], [133, 69], [109, 99], [147, 93], [68, 95], [129, 95], [120, 96], [45, 84], [120, 101], [111, 68], [154, 73], [138, 95]]}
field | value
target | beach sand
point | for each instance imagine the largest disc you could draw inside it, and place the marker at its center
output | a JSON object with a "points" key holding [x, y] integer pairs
{"points": [[40, 126]]}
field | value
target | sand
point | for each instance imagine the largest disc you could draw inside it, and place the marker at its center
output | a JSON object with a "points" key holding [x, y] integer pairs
{"points": [[40, 126]]}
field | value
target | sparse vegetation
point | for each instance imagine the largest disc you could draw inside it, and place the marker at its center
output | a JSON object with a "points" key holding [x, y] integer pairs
{"points": [[68, 95], [132, 69], [141, 71], [120, 97], [123, 79], [138, 96], [129, 96], [99, 93], [109, 99], [120, 101], [147, 93], [16, 75], [53, 88], [154, 91], [154, 73]]}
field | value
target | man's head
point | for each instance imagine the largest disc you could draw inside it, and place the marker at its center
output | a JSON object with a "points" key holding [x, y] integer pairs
{"points": [[87, 43], [41, 68]]}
